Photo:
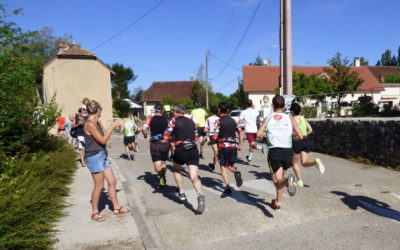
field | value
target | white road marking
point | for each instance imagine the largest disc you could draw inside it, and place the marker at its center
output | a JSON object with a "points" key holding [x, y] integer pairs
{"points": [[395, 195]]}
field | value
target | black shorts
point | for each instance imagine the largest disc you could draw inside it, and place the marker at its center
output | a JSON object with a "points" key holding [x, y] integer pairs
{"points": [[200, 132], [188, 157], [212, 140], [129, 139], [227, 156], [302, 146], [159, 151], [280, 157]]}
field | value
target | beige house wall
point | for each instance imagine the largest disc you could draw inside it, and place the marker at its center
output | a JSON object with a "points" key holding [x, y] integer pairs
{"points": [[71, 80]]}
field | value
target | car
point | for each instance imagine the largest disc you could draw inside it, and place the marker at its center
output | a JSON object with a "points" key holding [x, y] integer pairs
{"points": [[235, 114]]}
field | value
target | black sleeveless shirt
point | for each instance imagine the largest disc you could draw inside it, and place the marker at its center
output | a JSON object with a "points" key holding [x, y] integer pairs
{"points": [[184, 129]]}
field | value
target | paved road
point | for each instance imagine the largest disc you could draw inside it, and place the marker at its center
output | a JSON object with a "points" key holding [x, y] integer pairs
{"points": [[351, 206]]}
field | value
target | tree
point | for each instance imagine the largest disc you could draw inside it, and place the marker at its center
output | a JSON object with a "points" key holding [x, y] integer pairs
{"points": [[199, 92], [387, 59], [343, 79], [311, 86], [238, 98], [363, 62], [257, 62], [121, 80], [24, 126], [137, 95]]}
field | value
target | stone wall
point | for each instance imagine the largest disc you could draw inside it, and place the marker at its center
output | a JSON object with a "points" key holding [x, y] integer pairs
{"points": [[375, 139]]}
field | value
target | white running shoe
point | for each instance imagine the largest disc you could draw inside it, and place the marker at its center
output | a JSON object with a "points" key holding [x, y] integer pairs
{"points": [[299, 183], [320, 166]]}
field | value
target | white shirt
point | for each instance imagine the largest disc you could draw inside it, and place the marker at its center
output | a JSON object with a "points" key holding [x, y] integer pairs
{"points": [[279, 130], [210, 124], [249, 116]]}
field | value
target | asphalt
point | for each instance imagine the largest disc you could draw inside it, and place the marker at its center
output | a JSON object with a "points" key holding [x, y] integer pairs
{"points": [[351, 206]]}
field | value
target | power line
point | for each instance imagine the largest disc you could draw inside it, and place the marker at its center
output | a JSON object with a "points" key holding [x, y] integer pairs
{"points": [[224, 62], [129, 25], [241, 40], [226, 84]]}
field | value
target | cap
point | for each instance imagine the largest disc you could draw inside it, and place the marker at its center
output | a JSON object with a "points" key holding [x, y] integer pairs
{"points": [[167, 108]]}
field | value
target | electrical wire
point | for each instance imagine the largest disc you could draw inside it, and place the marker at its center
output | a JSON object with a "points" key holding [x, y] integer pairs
{"points": [[240, 41], [224, 62], [129, 25]]}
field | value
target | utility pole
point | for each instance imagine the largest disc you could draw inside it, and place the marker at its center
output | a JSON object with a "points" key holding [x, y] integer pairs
{"points": [[207, 79], [286, 48]]}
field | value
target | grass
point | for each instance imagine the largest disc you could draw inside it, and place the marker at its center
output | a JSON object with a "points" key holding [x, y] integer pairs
{"points": [[32, 191]]}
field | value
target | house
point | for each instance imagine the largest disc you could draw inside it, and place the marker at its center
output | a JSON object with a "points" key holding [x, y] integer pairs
{"points": [[158, 90], [73, 74], [260, 83]]}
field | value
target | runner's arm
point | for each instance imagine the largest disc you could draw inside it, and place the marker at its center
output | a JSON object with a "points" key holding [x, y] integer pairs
{"points": [[260, 132], [309, 129]]}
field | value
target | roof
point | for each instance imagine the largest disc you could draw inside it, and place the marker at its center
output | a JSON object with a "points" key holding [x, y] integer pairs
{"points": [[383, 71], [176, 89], [266, 78], [74, 51]]}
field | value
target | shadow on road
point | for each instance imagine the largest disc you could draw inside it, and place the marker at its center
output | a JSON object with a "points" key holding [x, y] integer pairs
{"points": [[261, 175], [372, 205], [240, 196], [167, 191]]}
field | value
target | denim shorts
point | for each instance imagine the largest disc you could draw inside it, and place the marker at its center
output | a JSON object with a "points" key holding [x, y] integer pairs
{"points": [[98, 162]]}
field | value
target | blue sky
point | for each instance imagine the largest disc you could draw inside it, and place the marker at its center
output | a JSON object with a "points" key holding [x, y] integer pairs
{"points": [[169, 44]]}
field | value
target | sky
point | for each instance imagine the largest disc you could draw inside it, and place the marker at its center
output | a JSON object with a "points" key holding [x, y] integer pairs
{"points": [[169, 44]]}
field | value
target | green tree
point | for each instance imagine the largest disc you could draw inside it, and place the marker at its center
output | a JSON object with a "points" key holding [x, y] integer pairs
{"points": [[392, 78], [363, 62], [343, 79], [24, 126], [387, 59], [237, 100], [199, 92], [121, 80], [137, 95], [310, 87], [257, 62]]}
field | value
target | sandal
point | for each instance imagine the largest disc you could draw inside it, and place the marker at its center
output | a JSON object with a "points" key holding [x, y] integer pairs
{"points": [[97, 217], [121, 210]]}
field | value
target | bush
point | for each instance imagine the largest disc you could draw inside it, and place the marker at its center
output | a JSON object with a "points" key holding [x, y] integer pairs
{"points": [[32, 191], [365, 109], [309, 112]]}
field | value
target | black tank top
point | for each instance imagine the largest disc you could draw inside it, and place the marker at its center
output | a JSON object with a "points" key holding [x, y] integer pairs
{"points": [[92, 147], [184, 129], [227, 128], [158, 125]]}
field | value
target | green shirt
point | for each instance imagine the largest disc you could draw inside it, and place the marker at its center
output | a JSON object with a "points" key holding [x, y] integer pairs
{"points": [[302, 125], [199, 115]]}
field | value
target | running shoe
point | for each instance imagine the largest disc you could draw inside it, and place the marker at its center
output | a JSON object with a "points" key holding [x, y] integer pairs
{"points": [[320, 166], [291, 188], [275, 206], [211, 166], [299, 183], [201, 204], [238, 178], [264, 150], [181, 196], [228, 190], [248, 159]]}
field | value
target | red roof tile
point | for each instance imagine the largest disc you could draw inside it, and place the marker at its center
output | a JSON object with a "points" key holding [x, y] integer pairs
{"points": [[266, 78], [158, 90]]}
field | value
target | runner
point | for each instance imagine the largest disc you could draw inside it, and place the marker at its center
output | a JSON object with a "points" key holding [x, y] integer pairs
{"points": [[279, 127], [210, 129], [79, 134], [169, 115], [68, 127], [128, 128], [302, 148], [61, 129], [186, 152], [225, 129], [199, 115], [96, 158], [158, 148], [249, 118]]}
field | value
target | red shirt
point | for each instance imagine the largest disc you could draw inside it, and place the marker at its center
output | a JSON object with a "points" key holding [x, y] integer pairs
{"points": [[61, 121]]}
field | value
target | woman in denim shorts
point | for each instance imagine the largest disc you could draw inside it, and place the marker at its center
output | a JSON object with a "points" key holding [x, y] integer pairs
{"points": [[96, 160]]}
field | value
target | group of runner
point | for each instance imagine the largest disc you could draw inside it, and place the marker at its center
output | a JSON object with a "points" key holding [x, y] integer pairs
{"points": [[286, 136]]}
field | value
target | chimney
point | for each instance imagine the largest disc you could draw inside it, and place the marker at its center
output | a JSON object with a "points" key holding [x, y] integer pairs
{"points": [[357, 62]]}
